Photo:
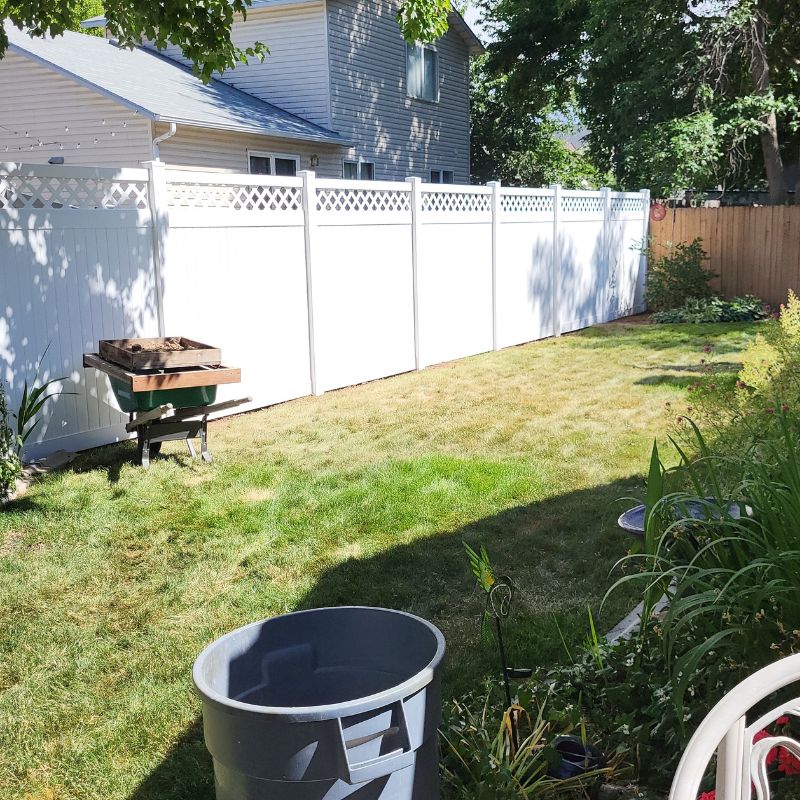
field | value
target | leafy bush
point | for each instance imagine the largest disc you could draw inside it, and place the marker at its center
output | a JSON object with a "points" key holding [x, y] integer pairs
{"points": [[10, 467], [677, 276], [480, 760], [714, 309], [733, 584]]}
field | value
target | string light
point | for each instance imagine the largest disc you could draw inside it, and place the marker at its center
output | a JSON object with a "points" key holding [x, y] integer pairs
{"points": [[97, 140]]}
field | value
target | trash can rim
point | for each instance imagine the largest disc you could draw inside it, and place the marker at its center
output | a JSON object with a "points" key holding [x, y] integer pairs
{"points": [[328, 711]]}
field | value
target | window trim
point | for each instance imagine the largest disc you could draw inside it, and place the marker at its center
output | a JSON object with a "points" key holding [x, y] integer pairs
{"points": [[424, 46], [441, 171], [271, 155], [358, 162]]}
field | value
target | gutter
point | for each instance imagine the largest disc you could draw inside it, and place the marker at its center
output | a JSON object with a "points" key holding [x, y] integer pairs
{"points": [[163, 138]]}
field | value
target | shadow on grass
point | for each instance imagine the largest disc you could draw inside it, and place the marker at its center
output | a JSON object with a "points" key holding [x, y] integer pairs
{"points": [[726, 337], [559, 552]]}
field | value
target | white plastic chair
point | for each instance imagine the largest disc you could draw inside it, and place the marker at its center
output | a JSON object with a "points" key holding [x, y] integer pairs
{"points": [[741, 763]]}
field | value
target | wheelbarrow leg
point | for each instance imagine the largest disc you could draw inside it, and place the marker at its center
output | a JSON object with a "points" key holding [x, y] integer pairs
{"points": [[204, 443], [144, 446], [192, 451]]}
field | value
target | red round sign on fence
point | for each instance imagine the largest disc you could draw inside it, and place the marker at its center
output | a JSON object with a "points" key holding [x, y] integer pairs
{"points": [[657, 212]]}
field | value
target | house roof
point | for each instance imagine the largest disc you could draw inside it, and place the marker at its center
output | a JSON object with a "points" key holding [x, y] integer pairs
{"points": [[161, 89]]}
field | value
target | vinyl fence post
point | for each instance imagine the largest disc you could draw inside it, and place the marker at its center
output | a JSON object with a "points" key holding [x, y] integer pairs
{"points": [[641, 306], [556, 188], [496, 208], [416, 211], [608, 265], [309, 195], [158, 200]]}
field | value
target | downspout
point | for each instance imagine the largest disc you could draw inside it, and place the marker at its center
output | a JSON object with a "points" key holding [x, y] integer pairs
{"points": [[163, 138]]}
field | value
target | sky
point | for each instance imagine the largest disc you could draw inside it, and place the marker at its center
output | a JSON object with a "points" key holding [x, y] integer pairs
{"points": [[472, 15]]}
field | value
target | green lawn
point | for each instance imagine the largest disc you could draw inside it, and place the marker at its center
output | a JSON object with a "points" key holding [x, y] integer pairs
{"points": [[112, 579]]}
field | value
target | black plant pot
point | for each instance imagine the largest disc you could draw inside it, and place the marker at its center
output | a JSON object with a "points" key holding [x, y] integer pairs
{"points": [[576, 757]]}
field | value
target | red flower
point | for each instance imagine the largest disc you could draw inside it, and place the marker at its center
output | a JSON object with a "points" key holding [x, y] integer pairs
{"points": [[787, 763], [784, 720], [773, 754], [712, 795]]}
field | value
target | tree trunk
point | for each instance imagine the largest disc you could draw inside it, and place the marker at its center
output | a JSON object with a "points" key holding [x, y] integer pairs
{"points": [[759, 71]]}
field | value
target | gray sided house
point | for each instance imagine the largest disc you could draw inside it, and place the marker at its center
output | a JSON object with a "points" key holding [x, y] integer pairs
{"points": [[341, 93]]}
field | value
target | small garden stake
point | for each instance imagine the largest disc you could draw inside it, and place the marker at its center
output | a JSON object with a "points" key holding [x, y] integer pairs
{"points": [[499, 601], [499, 596]]}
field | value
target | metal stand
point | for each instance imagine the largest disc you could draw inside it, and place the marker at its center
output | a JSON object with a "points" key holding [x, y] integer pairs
{"points": [[165, 424]]}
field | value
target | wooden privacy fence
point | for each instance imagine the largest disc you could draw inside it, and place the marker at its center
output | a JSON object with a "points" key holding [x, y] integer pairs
{"points": [[308, 285], [754, 250]]}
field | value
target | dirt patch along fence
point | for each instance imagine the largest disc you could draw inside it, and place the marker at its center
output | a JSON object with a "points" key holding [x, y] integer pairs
{"points": [[753, 250]]}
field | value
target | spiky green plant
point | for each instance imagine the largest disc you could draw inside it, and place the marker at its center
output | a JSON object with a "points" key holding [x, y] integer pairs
{"points": [[10, 467], [32, 401]]}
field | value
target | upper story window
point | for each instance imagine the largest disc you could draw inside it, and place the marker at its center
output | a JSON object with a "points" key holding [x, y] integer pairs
{"points": [[272, 163], [442, 176], [422, 72], [358, 170]]}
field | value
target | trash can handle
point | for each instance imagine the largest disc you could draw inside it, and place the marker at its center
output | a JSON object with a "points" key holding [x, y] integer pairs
{"points": [[386, 764]]}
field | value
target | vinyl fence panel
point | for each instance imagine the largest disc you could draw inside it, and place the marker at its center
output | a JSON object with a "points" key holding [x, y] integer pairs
{"points": [[307, 285], [76, 266]]}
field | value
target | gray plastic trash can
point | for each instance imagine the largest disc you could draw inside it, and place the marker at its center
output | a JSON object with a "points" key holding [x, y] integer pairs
{"points": [[323, 705]]}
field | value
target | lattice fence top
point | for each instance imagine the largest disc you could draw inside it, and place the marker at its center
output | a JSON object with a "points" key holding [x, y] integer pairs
{"points": [[626, 204], [63, 192], [235, 197], [369, 200], [455, 202], [521, 203], [578, 205]]}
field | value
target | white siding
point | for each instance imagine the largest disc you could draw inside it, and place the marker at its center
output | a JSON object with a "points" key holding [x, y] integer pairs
{"points": [[39, 101], [224, 151], [369, 102], [294, 76]]}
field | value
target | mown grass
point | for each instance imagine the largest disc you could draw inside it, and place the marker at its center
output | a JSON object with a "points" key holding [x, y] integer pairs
{"points": [[112, 579]]}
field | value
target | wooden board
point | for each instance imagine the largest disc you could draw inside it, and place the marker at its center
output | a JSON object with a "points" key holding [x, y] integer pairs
{"points": [[752, 249], [118, 351], [178, 379]]}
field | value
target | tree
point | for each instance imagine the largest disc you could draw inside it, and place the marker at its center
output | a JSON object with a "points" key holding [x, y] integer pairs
{"points": [[675, 93], [517, 147], [201, 30]]}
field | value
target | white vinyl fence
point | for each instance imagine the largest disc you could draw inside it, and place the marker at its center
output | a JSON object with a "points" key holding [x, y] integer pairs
{"points": [[308, 285]]}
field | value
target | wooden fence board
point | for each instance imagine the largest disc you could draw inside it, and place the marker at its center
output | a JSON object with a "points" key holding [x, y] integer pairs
{"points": [[754, 249]]}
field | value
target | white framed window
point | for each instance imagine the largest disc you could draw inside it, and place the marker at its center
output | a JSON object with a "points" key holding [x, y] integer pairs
{"points": [[358, 170], [261, 163], [422, 72], [442, 176]]}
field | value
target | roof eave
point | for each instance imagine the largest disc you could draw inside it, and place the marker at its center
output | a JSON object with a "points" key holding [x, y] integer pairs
{"points": [[475, 46], [320, 138]]}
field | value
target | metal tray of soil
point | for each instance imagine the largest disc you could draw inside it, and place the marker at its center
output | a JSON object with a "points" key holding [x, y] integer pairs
{"points": [[165, 352]]}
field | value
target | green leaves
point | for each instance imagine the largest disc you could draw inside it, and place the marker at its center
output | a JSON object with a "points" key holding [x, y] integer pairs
{"points": [[481, 567], [677, 276], [32, 401], [423, 20], [10, 466]]}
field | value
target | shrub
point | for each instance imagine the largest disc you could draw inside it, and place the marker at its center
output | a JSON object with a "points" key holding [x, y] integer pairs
{"points": [[677, 276], [714, 309], [480, 760], [10, 467], [733, 580]]}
